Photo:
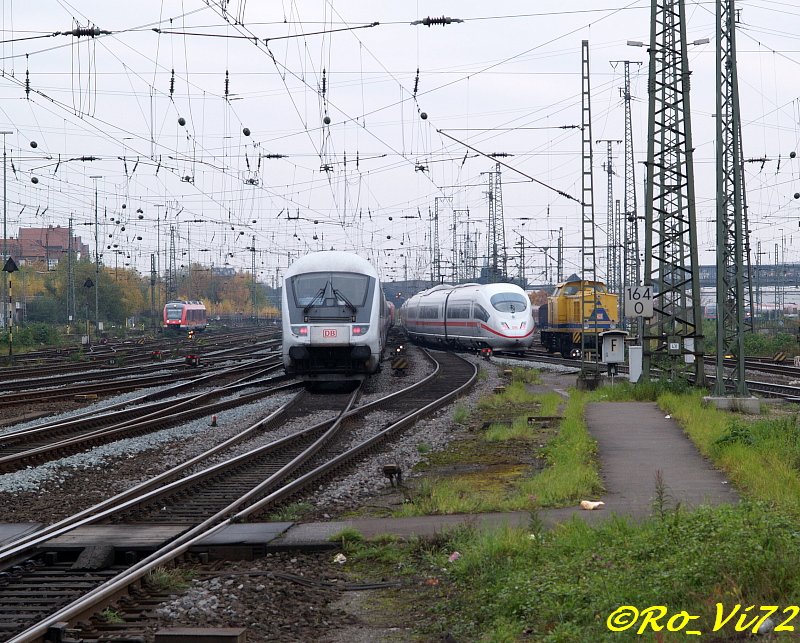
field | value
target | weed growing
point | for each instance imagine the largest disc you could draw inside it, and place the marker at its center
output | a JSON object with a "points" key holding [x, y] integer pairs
{"points": [[460, 414], [526, 375], [292, 511], [515, 395], [169, 578], [112, 616], [346, 536], [572, 473]]}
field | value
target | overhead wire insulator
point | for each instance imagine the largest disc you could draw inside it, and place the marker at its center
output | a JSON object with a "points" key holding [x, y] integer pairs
{"points": [[227, 84], [416, 83], [324, 81], [172, 83], [27, 84], [443, 20]]}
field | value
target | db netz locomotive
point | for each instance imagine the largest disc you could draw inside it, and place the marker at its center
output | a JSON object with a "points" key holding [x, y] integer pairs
{"points": [[562, 324], [497, 316], [335, 317]]}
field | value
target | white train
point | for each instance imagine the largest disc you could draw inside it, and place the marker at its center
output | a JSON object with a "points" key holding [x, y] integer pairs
{"points": [[496, 316], [335, 317]]}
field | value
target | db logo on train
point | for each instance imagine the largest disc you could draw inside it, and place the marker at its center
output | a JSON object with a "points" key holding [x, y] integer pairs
{"points": [[329, 332]]}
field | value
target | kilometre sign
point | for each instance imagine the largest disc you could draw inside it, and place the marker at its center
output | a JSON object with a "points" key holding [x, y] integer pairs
{"points": [[638, 301]]}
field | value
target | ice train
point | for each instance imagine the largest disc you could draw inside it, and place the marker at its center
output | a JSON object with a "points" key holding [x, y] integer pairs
{"points": [[471, 316]]}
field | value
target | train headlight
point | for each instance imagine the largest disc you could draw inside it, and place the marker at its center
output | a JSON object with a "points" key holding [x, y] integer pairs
{"points": [[302, 331], [360, 329]]}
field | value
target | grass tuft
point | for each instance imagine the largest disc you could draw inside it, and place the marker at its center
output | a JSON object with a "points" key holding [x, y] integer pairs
{"points": [[291, 512], [347, 536], [169, 578]]}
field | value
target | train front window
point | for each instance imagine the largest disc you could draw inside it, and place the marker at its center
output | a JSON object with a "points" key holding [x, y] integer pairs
{"points": [[509, 302], [173, 313], [330, 289]]}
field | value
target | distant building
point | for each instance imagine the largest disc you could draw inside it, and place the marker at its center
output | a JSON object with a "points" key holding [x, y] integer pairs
{"points": [[45, 245]]}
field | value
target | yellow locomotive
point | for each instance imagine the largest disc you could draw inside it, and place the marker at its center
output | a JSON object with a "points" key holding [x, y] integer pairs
{"points": [[562, 324]]}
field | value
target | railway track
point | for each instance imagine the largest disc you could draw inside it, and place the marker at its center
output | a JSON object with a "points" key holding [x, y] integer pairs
{"points": [[128, 379], [768, 389], [43, 443], [202, 501]]}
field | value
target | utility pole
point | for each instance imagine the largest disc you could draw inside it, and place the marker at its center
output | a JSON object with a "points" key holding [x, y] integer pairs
{"points": [[157, 206], [463, 272], [96, 261], [6, 312], [153, 278], [437, 250], [560, 257], [674, 334], [70, 277], [590, 374], [253, 250], [731, 266]]}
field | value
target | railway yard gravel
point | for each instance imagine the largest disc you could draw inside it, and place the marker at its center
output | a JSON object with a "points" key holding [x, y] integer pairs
{"points": [[62, 487], [283, 596]]}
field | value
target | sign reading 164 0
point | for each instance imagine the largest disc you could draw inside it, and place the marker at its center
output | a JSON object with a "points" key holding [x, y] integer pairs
{"points": [[638, 301]]}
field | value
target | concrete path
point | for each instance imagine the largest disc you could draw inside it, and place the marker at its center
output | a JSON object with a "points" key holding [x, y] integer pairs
{"points": [[634, 441]]}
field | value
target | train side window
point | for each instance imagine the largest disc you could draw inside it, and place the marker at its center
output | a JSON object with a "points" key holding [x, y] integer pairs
{"points": [[479, 312], [458, 312]]}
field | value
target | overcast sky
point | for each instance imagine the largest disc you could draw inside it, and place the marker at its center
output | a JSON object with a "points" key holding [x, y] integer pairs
{"points": [[507, 79]]}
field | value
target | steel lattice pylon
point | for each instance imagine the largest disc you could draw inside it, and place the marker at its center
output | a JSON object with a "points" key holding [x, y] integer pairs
{"points": [[172, 276], [671, 265], [588, 259], [613, 267], [731, 268], [497, 233], [631, 271]]}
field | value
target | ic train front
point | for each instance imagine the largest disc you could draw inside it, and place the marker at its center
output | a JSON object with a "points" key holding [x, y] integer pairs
{"points": [[335, 317]]}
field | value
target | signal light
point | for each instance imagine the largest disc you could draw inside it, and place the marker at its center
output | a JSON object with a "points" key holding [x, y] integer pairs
{"points": [[360, 329], [302, 331]]}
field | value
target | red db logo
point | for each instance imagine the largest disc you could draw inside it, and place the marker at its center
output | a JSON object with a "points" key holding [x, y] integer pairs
{"points": [[329, 332]]}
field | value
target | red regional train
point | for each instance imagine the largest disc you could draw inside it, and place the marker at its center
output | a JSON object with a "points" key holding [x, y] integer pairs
{"points": [[185, 315]]}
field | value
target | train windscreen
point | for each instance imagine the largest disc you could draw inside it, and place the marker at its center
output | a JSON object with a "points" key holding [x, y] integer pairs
{"points": [[509, 302], [329, 289], [174, 312]]}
